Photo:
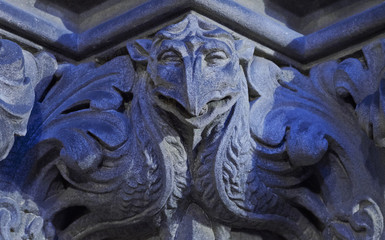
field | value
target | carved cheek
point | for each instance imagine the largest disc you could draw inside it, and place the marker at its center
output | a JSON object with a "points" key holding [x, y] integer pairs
{"points": [[221, 77], [169, 74], [231, 71]]}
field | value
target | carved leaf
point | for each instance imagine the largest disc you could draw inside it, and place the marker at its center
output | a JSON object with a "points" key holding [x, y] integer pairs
{"points": [[20, 217], [309, 138], [19, 73], [366, 86], [80, 109], [79, 141]]}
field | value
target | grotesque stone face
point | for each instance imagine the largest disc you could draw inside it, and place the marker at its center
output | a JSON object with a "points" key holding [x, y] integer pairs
{"points": [[194, 70], [201, 137]]}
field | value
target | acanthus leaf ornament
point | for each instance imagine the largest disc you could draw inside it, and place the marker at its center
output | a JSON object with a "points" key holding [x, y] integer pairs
{"points": [[20, 216], [313, 149], [20, 73], [193, 128]]}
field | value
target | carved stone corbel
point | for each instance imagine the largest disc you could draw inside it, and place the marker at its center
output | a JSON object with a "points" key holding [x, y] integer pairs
{"points": [[193, 136]]}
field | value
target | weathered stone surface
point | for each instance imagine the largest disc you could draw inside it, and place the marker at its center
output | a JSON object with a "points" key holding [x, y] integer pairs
{"points": [[191, 133], [298, 33], [19, 216], [20, 72]]}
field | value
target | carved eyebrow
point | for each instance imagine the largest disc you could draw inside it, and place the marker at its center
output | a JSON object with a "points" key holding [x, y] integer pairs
{"points": [[162, 53], [167, 45], [216, 45]]}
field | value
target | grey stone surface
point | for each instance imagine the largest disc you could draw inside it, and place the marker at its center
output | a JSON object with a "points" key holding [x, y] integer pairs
{"points": [[192, 132], [20, 72], [20, 217], [192, 136], [282, 33]]}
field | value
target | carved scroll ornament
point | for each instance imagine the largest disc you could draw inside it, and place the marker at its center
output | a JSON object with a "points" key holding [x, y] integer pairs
{"points": [[192, 135], [20, 72]]}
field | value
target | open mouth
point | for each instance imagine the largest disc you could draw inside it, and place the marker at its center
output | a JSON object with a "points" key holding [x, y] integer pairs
{"points": [[208, 112]]}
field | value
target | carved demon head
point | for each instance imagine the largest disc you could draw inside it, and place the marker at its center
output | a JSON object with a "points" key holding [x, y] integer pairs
{"points": [[194, 69]]}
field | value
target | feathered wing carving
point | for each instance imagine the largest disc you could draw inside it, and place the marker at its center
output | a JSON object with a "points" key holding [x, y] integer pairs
{"points": [[310, 147], [118, 152], [228, 185], [86, 157]]}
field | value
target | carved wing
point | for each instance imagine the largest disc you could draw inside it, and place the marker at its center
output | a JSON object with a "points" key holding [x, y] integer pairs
{"points": [[80, 152], [311, 149]]}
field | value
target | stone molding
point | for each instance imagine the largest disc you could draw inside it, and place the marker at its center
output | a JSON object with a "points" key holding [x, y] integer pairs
{"points": [[40, 25], [192, 133]]}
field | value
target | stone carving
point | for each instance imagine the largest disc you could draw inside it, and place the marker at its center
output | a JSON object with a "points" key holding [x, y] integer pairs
{"points": [[319, 159], [19, 216], [20, 72], [191, 135], [370, 109]]}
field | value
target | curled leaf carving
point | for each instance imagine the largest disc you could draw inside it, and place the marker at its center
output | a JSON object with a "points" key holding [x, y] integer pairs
{"points": [[20, 217], [20, 72], [192, 126], [310, 144]]}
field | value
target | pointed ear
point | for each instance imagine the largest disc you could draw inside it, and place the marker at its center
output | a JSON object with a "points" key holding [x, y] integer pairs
{"points": [[139, 50], [245, 50]]}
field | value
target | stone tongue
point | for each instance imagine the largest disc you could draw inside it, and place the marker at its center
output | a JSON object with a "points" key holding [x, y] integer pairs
{"points": [[195, 225]]}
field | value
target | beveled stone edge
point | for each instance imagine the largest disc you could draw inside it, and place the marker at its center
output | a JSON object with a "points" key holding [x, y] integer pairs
{"points": [[274, 40]]}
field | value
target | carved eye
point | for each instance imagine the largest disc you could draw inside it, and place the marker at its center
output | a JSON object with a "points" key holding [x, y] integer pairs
{"points": [[216, 57], [170, 57]]}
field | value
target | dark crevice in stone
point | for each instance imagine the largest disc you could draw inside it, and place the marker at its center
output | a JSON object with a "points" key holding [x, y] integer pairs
{"points": [[67, 216], [173, 103], [103, 58], [313, 184], [127, 98], [370, 131], [54, 80], [350, 100], [312, 218], [102, 143], [359, 55], [77, 107], [57, 185]]}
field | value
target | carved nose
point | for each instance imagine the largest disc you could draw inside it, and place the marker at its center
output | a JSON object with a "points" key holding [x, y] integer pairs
{"points": [[196, 109], [194, 102]]}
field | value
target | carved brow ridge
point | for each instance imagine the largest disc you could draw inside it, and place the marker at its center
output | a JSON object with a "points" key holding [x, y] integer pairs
{"points": [[215, 44], [217, 33]]}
